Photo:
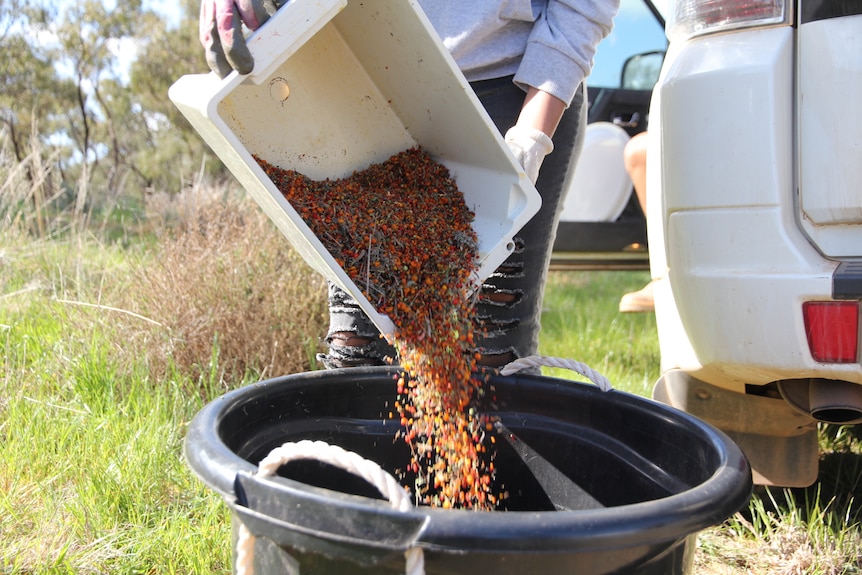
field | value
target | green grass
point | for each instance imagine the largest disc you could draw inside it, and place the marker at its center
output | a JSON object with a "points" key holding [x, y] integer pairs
{"points": [[92, 478], [581, 322]]}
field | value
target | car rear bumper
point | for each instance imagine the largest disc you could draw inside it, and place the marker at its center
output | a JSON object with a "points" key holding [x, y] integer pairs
{"points": [[725, 238]]}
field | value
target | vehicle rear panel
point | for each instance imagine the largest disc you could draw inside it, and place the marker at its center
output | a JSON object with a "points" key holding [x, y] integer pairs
{"points": [[829, 89], [739, 263]]}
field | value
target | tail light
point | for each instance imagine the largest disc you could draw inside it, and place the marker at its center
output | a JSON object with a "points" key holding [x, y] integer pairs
{"points": [[688, 18], [832, 329]]}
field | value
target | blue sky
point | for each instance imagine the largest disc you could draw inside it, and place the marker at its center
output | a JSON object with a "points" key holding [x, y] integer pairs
{"points": [[635, 31]]}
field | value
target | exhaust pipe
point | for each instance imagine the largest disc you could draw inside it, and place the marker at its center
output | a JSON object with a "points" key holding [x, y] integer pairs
{"points": [[826, 400]]}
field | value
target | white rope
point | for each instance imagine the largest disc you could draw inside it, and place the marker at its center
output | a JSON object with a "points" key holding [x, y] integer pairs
{"points": [[349, 461], [543, 361]]}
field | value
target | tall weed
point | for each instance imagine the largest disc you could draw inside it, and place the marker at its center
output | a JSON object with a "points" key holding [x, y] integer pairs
{"points": [[223, 290]]}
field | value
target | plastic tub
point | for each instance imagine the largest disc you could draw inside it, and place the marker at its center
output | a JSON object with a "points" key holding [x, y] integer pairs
{"points": [[339, 85], [599, 482]]}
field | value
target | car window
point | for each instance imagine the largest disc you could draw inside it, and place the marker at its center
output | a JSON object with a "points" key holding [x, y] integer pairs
{"points": [[636, 31]]}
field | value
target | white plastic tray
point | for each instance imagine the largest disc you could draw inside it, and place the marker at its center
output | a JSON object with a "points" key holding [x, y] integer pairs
{"points": [[339, 85]]}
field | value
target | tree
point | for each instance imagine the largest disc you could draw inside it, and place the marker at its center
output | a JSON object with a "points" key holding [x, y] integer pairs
{"points": [[165, 55], [91, 83], [33, 99]]}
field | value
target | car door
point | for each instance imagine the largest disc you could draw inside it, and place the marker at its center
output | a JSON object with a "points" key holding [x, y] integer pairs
{"points": [[602, 226]]}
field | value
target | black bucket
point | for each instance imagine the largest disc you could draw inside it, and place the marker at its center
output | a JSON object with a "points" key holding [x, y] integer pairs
{"points": [[598, 482]]}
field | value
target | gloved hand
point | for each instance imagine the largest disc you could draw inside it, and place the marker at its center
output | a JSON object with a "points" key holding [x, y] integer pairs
{"points": [[221, 31], [530, 147]]}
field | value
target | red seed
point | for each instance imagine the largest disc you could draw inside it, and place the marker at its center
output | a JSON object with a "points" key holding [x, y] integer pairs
{"points": [[403, 233]]}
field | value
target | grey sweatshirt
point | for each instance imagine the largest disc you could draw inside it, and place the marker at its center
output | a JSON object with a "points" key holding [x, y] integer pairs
{"points": [[547, 44]]}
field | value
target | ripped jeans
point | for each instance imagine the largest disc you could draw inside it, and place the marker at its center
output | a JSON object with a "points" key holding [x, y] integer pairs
{"points": [[509, 306]]}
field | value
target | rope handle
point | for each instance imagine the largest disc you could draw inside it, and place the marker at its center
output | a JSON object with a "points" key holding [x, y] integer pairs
{"points": [[545, 361], [349, 461]]}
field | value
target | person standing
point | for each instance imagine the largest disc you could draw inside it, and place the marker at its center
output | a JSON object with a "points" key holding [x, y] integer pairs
{"points": [[527, 61], [634, 158]]}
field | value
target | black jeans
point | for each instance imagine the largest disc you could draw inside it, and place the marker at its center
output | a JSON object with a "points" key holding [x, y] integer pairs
{"points": [[507, 329]]}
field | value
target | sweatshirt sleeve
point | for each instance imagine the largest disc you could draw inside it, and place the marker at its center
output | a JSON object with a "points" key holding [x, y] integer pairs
{"points": [[563, 44]]}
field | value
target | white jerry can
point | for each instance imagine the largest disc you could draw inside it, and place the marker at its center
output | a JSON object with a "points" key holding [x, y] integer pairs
{"points": [[339, 85]]}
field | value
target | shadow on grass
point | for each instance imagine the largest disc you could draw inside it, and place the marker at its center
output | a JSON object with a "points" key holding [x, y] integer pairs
{"points": [[837, 493]]}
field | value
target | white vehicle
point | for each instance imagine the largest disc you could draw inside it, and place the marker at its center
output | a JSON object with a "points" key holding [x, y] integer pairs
{"points": [[754, 222]]}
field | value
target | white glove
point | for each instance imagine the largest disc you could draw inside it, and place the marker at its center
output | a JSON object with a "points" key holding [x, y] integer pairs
{"points": [[530, 147]]}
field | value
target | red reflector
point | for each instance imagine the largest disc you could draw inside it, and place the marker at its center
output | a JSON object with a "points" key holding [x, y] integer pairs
{"points": [[832, 329]]}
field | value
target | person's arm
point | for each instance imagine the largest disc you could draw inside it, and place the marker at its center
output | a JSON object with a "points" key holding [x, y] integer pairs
{"points": [[558, 57], [530, 137], [541, 111], [563, 43]]}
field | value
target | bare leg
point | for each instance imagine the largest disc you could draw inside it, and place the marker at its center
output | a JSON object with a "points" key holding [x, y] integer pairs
{"points": [[634, 156]]}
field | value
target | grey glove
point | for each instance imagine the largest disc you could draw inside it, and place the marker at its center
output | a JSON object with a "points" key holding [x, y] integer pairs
{"points": [[221, 32]]}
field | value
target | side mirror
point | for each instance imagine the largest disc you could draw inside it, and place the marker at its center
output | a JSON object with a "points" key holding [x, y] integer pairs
{"points": [[641, 71]]}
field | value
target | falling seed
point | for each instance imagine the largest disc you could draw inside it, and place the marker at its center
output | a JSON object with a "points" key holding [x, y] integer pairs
{"points": [[402, 231]]}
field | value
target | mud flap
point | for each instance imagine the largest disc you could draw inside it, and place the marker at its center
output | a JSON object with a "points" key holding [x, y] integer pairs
{"points": [[779, 442]]}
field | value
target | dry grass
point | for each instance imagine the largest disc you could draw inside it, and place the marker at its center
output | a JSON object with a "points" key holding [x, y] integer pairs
{"points": [[787, 549], [811, 531], [220, 294], [225, 294]]}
